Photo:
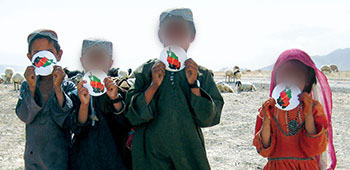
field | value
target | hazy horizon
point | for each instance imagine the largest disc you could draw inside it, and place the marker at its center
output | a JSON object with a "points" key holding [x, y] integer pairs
{"points": [[250, 34]]}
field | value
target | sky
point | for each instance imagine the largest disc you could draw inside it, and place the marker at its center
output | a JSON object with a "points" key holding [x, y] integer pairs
{"points": [[249, 33]]}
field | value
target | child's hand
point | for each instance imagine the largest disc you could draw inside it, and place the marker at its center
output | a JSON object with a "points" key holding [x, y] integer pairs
{"points": [[112, 88], [30, 77], [83, 93], [58, 76], [306, 99], [158, 72], [266, 108], [191, 71]]}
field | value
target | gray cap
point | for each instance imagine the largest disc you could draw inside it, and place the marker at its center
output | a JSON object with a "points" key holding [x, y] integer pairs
{"points": [[185, 13], [88, 43], [43, 32]]}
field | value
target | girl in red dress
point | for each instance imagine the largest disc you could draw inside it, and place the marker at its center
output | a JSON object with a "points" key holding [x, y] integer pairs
{"points": [[309, 144]]}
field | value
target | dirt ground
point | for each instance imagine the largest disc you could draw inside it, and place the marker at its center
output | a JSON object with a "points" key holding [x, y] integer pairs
{"points": [[229, 144]]}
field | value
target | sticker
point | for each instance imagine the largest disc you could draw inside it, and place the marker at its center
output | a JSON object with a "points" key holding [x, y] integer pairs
{"points": [[43, 61], [286, 96], [94, 82], [174, 58]]}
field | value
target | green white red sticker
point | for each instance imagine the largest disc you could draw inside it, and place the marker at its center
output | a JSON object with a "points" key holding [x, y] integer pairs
{"points": [[94, 82], [43, 61], [174, 58], [286, 96]]}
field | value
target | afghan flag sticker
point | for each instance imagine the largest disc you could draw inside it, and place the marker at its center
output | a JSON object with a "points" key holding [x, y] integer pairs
{"points": [[174, 58], [43, 61], [286, 96], [94, 82]]}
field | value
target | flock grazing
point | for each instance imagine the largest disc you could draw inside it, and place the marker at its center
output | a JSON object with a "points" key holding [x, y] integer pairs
{"points": [[11, 77], [234, 75], [232, 79], [329, 68]]}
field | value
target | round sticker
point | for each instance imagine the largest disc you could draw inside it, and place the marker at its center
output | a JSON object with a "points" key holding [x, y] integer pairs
{"points": [[174, 58], [286, 96], [43, 61], [94, 82]]}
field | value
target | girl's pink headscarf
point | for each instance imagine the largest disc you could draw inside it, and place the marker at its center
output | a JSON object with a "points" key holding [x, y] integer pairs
{"points": [[321, 92]]}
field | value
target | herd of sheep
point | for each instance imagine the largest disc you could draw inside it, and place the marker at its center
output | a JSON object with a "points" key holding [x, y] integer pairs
{"points": [[232, 75], [329, 68], [11, 77]]}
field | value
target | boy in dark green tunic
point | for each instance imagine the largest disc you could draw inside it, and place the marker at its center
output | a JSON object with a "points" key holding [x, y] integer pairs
{"points": [[169, 108], [98, 122], [44, 106]]}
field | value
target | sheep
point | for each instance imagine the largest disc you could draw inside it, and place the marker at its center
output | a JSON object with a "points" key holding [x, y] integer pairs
{"points": [[77, 78], [229, 75], [246, 86], [129, 71], [237, 75], [113, 72], [124, 84], [2, 78], [8, 73], [123, 74], [325, 69], [224, 88], [116, 72], [17, 79], [334, 68], [71, 74]]}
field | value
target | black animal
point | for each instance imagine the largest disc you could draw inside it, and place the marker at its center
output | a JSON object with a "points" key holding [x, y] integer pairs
{"points": [[129, 71], [71, 74], [113, 72]]}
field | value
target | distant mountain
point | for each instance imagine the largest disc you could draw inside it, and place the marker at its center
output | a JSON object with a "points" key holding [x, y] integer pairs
{"points": [[339, 57]]}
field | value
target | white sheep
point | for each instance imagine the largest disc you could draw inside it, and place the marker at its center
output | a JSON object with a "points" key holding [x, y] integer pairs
{"points": [[2, 78], [237, 75], [17, 79], [223, 87], [8, 73], [229, 75], [123, 74], [334, 68], [246, 86], [325, 69], [77, 78]]}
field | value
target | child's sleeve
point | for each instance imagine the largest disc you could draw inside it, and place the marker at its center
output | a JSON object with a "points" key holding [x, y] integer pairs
{"points": [[313, 145], [76, 127], [257, 142], [138, 112], [118, 116], [207, 107], [60, 114], [28, 106]]}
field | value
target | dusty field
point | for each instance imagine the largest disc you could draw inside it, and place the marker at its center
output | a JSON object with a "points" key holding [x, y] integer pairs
{"points": [[229, 145]]}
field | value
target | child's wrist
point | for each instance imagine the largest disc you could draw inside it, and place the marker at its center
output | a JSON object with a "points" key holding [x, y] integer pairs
{"points": [[154, 86], [267, 121], [58, 89], [84, 105], [308, 115], [32, 91]]}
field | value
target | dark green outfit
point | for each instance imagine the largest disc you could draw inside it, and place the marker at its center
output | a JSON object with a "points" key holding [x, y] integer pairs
{"points": [[168, 134]]}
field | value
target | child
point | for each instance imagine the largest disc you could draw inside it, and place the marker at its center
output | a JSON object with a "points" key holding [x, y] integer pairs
{"points": [[99, 145], [303, 147], [170, 108], [44, 106]]}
